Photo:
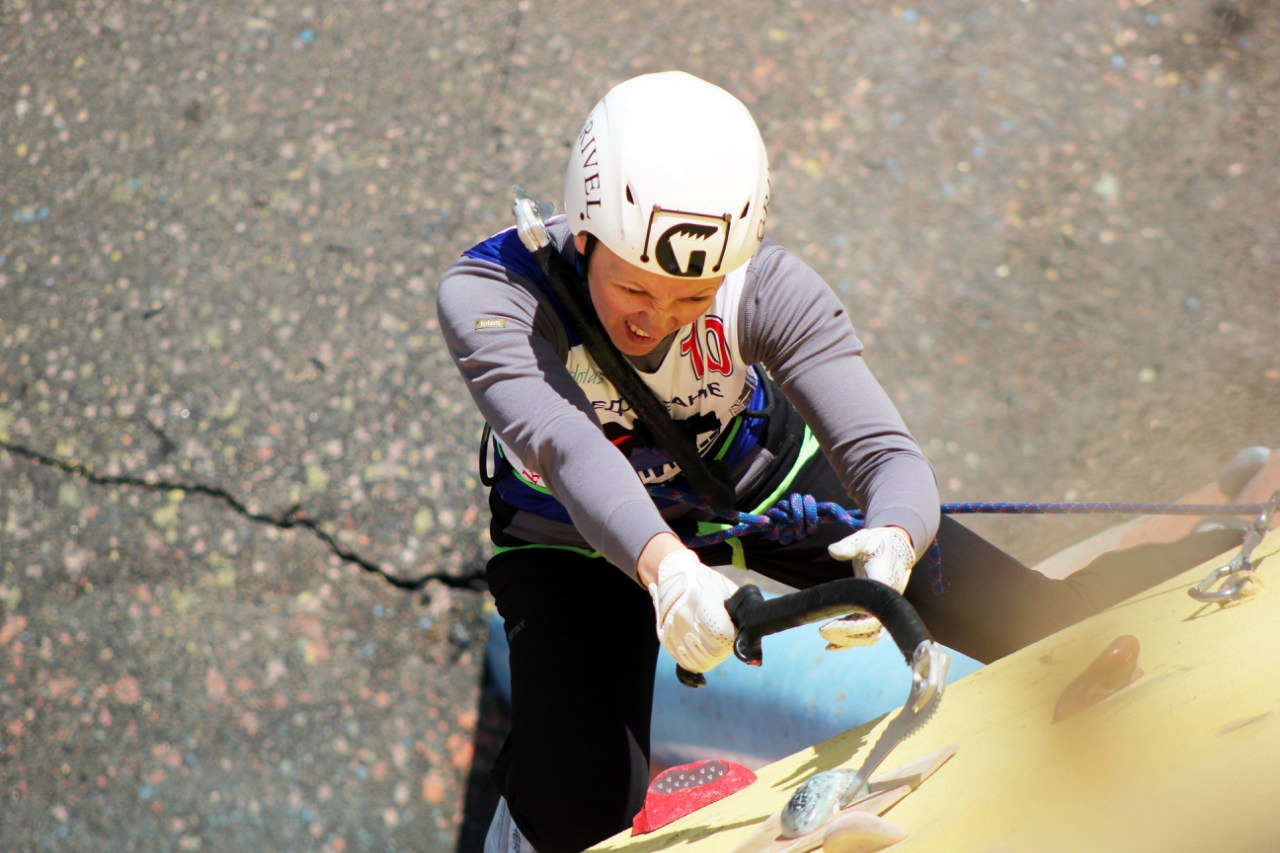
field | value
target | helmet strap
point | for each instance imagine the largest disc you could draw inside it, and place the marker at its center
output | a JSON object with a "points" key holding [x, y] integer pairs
{"points": [[584, 259]]}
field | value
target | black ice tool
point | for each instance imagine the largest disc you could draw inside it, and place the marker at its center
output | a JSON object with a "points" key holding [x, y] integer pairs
{"points": [[755, 617], [823, 796]]}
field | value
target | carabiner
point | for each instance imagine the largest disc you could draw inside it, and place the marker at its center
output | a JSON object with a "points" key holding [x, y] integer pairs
{"points": [[1232, 579]]}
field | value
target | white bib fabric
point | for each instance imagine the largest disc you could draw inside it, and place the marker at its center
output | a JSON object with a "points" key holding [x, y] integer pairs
{"points": [[703, 380]]}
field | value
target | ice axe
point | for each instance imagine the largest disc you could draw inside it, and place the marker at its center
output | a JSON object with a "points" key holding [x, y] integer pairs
{"points": [[821, 797]]}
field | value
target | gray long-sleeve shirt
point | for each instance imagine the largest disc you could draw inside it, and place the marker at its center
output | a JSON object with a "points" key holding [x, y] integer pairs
{"points": [[510, 344]]}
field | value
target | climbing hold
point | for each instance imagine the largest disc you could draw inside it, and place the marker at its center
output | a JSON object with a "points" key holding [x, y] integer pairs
{"points": [[859, 832], [1237, 472], [681, 790], [1112, 671]]}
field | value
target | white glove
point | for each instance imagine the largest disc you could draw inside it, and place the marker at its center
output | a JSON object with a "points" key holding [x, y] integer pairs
{"points": [[882, 554], [693, 624]]}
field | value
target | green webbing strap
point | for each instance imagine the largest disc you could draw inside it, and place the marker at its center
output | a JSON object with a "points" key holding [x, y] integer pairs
{"points": [[808, 447], [585, 552]]}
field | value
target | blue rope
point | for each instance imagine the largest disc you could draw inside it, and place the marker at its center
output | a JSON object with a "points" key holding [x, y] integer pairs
{"points": [[1115, 508], [796, 517]]}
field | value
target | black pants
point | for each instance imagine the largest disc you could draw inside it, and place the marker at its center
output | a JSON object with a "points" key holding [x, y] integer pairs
{"points": [[575, 767]]}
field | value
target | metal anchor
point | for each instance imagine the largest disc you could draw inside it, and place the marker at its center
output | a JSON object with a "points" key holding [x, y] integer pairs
{"points": [[1228, 583]]}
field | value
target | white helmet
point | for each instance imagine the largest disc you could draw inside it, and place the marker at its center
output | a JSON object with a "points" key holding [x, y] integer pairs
{"points": [[671, 174]]}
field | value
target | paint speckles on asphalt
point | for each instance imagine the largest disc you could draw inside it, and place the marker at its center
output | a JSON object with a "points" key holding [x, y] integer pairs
{"points": [[221, 226], [226, 699]]}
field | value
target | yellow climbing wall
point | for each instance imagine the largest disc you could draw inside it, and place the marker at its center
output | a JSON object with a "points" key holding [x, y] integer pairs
{"points": [[1184, 760]]}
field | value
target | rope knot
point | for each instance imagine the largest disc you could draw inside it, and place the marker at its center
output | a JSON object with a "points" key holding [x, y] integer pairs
{"points": [[792, 518]]}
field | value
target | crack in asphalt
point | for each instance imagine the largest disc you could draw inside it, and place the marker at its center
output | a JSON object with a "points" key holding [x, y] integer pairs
{"points": [[293, 518]]}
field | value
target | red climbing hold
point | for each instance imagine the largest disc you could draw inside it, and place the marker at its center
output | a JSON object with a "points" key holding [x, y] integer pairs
{"points": [[682, 790]]}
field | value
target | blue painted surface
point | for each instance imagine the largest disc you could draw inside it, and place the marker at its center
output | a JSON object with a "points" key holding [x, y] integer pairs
{"points": [[754, 715]]}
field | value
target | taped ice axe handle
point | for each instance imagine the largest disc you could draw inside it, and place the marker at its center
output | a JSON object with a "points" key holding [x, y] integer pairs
{"points": [[756, 618]]}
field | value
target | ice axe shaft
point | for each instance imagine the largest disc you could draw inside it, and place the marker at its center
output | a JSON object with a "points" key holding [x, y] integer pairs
{"points": [[755, 617]]}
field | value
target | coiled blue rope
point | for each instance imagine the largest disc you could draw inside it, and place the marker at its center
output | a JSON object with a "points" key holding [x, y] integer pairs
{"points": [[798, 516]]}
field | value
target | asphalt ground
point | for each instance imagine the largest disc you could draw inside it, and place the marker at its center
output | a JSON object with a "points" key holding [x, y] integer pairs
{"points": [[242, 535]]}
